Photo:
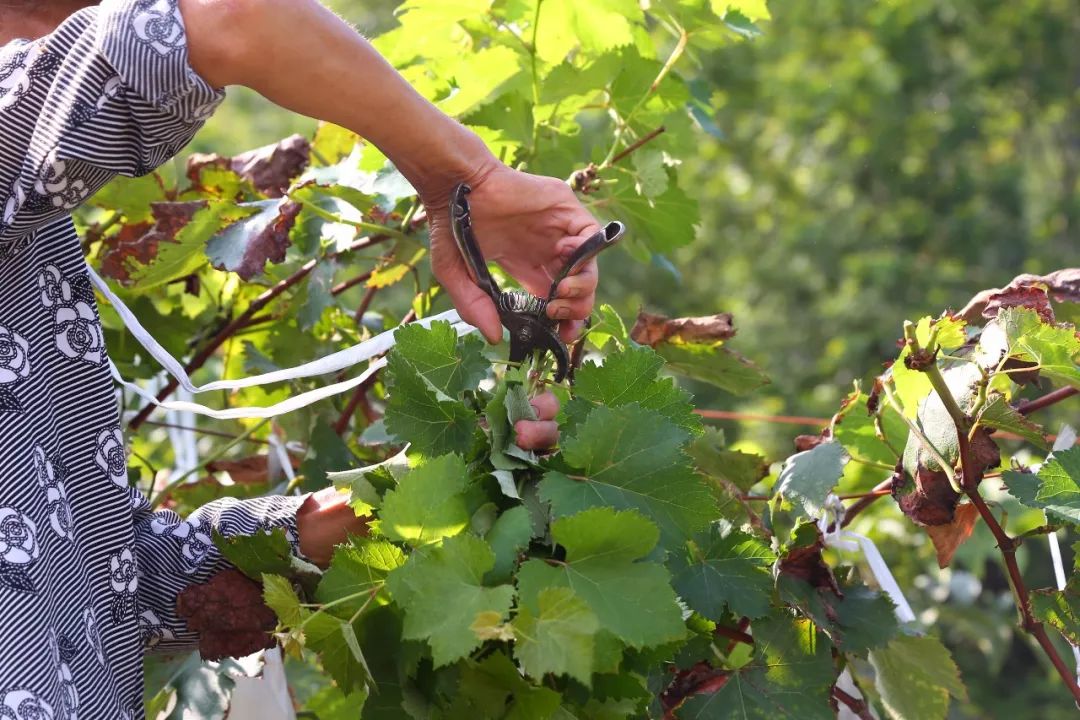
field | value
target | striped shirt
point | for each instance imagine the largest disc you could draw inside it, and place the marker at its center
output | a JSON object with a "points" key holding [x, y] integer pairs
{"points": [[89, 573]]}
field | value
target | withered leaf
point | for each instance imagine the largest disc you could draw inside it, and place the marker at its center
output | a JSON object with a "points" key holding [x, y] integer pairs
{"points": [[271, 169], [139, 242], [1061, 285], [245, 246], [947, 538], [229, 614], [653, 329]]}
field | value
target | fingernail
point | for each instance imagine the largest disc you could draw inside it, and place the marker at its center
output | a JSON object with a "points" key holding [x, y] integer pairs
{"points": [[562, 313]]}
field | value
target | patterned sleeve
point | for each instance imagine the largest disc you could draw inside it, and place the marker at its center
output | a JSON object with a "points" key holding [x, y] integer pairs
{"points": [[109, 92], [172, 553]]}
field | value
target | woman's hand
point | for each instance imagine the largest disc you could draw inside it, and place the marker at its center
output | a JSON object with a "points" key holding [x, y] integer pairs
{"points": [[530, 225]]}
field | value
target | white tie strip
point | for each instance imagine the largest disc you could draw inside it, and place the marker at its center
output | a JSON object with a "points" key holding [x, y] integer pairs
{"points": [[334, 362]]}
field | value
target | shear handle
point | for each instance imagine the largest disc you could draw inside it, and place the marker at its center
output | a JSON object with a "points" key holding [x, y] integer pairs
{"points": [[586, 251], [461, 226]]}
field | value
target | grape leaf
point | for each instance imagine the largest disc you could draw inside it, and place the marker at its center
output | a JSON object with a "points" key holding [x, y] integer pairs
{"points": [[999, 415], [808, 477], [448, 363], [1053, 348], [428, 503], [596, 26], [603, 558], [915, 677], [359, 568], [742, 470], [1056, 487], [1059, 608], [752, 10], [279, 596], [790, 676], [714, 364], [244, 247], [507, 537], [184, 256], [559, 638], [441, 590], [416, 414], [859, 620], [856, 432], [629, 458], [724, 570], [256, 554], [494, 688], [631, 375], [666, 221], [317, 296], [335, 641]]}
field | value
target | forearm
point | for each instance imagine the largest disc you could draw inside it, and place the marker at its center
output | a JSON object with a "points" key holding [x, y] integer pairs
{"points": [[301, 56]]}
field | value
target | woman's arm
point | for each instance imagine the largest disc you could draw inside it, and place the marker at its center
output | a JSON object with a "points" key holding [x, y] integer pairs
{"points": [[301, 56]]}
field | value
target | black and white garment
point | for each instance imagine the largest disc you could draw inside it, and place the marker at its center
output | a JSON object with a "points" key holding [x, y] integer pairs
{"points": [[89, 575]]}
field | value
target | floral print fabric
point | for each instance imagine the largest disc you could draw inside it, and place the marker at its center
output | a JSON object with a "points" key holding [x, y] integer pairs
{"points": [[89, 574]]}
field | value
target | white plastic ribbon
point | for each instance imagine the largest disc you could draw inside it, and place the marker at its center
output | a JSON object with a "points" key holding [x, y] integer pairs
{"points": [[1065, 440], [334, 362], [846, 540]]}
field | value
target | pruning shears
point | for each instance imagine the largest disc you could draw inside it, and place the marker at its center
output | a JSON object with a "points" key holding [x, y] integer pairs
{"points": [[521, 312]]}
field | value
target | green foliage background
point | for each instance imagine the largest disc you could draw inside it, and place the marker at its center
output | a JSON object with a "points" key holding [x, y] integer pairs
{"points": [[858, 163]]}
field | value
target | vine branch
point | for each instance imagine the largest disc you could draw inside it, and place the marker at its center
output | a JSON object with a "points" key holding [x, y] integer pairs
{"points": [[1007, 545], [1047, 400], [856, 705]]}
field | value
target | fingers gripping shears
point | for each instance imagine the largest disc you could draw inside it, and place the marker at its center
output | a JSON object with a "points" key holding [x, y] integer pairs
{"points": [[523, 314]]}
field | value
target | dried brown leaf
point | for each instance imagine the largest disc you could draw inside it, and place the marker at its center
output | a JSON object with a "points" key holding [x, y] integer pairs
{"points": [[271, 169], [1060, 285], [947, 538], [653, 329], [229, 614], [140, 242]]}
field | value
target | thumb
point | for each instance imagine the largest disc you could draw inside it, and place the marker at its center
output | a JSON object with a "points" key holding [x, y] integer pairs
{"points": [[474, 306]]}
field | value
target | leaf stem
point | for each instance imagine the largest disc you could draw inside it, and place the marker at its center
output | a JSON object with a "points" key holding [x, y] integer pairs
{"points": [[325, 214], [676, 53]]}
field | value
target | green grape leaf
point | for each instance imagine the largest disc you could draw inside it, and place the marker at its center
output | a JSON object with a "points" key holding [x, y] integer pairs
{"points": [[999, 415], [494, 688], [416, 414], [724, 570], [858, 435], [1053, 348], [607, 327], [631, 375], [482, 75], [317, 296], [665, 222], [596, 26], [603, 558], [630, 458], [714, 364], [279, 596], [131, 197], [1059, 608], [507, 537], [860, 620], [257, 554], [752, 10], [357, 570], [652, 177], [559, 638], [448, 363], [915, 677], [1056, 487], [335, 642], [790, 676], [741, 470], [428, 504], [441, 590], [808, 477]]}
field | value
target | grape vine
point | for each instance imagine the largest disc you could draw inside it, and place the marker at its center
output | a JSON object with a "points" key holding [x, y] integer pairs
{"points": [[645, 569]]}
